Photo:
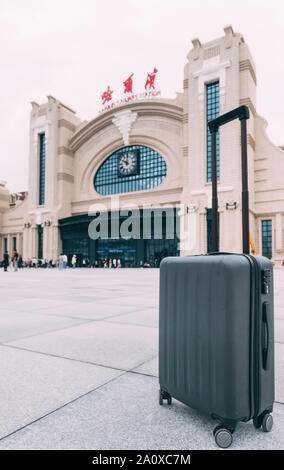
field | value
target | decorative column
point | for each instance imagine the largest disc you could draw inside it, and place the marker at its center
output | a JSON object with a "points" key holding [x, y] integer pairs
{"points": [[203, 231], [55, 241], [9, 244], [189, 225], [278, 233], [45, 248], [25, 244], [33, 250], [18, 243]]}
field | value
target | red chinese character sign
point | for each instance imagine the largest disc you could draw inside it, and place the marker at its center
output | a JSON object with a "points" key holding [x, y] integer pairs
{"points": [[151, 79], [106, 96], [151, 91], [128, 84]]}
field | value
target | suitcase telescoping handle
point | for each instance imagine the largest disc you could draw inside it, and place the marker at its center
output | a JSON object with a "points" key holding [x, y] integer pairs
{"points": [[241, 113]]}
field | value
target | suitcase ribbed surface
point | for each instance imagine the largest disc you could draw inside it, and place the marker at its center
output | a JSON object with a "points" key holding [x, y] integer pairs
{"points": [[205, 332]]}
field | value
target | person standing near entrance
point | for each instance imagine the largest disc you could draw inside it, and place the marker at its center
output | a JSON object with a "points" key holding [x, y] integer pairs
{"points": [[6, 261], [65, 260], [61, 261], [20, 262], [15, 260], [73, 261]]}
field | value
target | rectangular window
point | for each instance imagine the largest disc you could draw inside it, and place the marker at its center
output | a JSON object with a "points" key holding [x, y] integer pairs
{"points": [[14, 243], [40, 242], [5, 244], [41, 169], [212, 111], [266, 231]]}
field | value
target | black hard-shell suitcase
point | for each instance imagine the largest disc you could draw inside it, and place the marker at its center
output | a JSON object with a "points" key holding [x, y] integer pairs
{"points": [[216, 338]]}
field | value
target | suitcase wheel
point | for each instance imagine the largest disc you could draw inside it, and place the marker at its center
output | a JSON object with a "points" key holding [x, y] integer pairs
{"points": [[265, 420], [163, 395], [223, 437]]}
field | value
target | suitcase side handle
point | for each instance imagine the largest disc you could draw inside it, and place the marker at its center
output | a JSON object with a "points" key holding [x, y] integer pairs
{"points": [[241, 113], [266, 343]]}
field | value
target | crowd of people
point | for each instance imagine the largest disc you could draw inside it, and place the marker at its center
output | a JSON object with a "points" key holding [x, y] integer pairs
{"points": [[15, 261]]}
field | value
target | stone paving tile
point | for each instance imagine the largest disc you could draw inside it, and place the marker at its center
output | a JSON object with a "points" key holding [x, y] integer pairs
{"points": [[108, 344], [279, 330], [32, 304], [17, 325], [125, 414], [149, 367], [146, 317], [279, 313], [279, 372], [88, 311], [33, 384]]}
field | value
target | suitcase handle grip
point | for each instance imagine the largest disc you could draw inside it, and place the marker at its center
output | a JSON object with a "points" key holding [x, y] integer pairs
{"points": [[219, 253], [266, 344]]}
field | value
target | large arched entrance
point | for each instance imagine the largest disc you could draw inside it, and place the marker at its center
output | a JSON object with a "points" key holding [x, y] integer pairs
{"points": [[157, 238]]}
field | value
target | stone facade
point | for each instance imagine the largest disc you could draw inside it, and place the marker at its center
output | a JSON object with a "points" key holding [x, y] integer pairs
{"points": [[176, 129]]}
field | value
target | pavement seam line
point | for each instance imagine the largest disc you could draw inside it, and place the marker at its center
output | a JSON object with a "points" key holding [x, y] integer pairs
{"points": [[85, 320], [61, 357], [142, 363], [134, 324], [45, 332], [124, 313], [73, 401], [80, 361], [60, 407]]}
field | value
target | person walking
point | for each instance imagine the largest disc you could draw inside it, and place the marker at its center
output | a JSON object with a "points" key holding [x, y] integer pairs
{"points": [[6, 261], [73, 261], [61, 261], [20, 262], [65, 260], [15, 260]]}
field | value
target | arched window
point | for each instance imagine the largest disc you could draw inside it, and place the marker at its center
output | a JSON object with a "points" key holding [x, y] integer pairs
{"points": [[132, 168]]}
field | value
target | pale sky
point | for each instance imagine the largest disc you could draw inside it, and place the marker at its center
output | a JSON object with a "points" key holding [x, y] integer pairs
{"points": [[73, 49]]}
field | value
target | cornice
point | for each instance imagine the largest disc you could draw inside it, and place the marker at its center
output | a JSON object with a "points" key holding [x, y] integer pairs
{"points": [[142, 108]]}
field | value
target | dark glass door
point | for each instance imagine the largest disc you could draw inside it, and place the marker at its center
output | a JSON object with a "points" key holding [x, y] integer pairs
{"points": [[118, 249]]}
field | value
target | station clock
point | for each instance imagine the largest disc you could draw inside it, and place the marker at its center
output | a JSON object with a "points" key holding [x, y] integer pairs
{"points": [[128, 163]]}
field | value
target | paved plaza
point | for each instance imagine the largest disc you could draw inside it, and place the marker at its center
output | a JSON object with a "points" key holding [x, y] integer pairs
{"points": [[79, 366]]}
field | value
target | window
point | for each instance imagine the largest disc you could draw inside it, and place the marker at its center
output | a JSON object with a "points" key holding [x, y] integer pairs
{"points": [[41, 169], [14, 243], [266, 226], [40, 242], [212, 111], [152, 172]]}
